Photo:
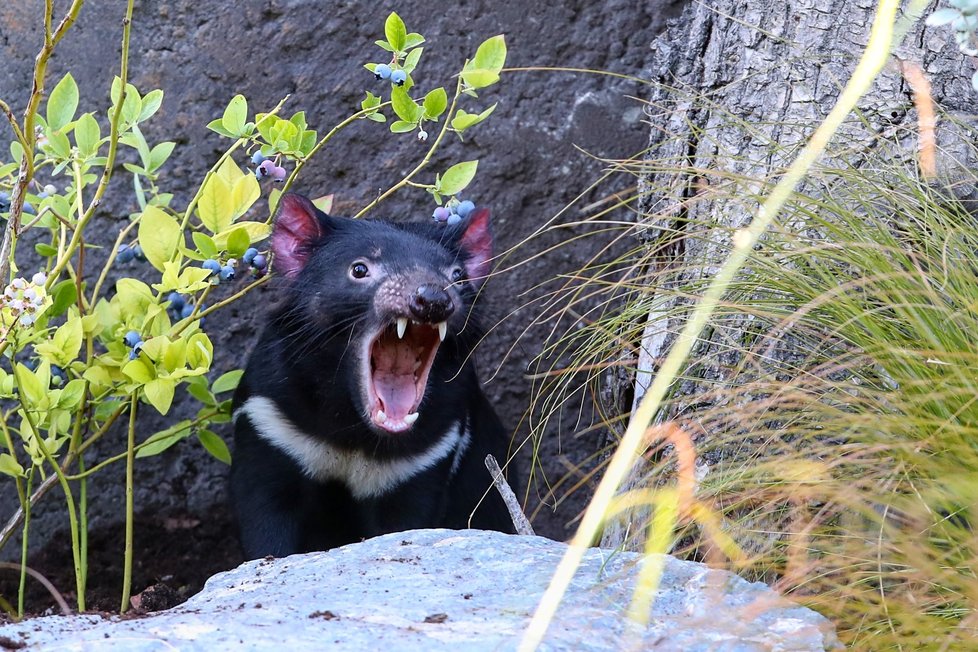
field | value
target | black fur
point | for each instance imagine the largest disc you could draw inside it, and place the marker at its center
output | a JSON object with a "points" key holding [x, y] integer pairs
{"points": [[306, 363]]}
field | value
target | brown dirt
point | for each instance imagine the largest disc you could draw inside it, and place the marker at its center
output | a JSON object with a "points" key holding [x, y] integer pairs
{"points": [[173, 556]]}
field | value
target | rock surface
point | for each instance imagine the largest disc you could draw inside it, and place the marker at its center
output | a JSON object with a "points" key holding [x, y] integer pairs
{"points": [[447, 590]]}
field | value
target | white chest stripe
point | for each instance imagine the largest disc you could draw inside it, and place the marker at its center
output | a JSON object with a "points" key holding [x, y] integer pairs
{"points": [[363, 475]]}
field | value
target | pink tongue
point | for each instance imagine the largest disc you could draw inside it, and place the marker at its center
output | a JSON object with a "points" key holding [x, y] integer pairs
{"points": [[394, 366]]}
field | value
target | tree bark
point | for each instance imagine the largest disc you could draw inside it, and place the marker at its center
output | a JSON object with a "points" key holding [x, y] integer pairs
{"points": [[738, 87]]}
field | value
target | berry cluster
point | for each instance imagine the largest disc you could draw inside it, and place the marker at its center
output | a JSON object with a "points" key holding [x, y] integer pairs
{"points": [[258, 262], [384, 71], [127, 254], [266, 167], [135, 343], [24, 298], [181, 306], [453, 212]]}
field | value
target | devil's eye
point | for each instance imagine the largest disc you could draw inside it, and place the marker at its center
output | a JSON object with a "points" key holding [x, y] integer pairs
{"points": [[457, 274], [359, 270]]}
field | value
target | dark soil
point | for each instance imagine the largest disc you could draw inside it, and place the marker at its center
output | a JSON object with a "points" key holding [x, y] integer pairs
{"points": [[175, 554]]}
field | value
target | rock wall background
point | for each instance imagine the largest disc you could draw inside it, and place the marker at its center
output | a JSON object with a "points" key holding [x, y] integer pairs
{"points": [[202, 52]]}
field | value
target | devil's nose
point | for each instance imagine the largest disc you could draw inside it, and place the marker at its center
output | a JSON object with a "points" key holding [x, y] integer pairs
{"points": [[431, 304]]}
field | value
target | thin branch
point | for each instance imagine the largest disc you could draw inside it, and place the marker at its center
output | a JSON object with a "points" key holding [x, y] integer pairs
{"points": [[520, 521]]}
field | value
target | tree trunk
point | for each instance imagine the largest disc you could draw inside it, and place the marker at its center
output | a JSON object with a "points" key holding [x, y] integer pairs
{"points": [[738, 87]]}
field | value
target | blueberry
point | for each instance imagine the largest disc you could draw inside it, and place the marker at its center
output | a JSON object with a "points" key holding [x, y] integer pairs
{"points": [[137, 251], [176, 300], [398, 77], [132, 338], [125, 254], [441, 214], [453, 219], [265, 168], [249, 255], [57, 375], [29, 209], [212, 265], [464, 208], [382, 71], [257, 158], [259, 262], [134, 354], [278, 174], [49, 190], [186, 311], [4, 202], [227, 273]]}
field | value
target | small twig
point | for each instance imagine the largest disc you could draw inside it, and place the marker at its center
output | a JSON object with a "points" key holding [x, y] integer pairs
{"points": [[520, 521], [65, 609]]}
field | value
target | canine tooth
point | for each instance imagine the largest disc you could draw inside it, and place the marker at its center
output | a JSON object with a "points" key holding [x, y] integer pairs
{"points": [[401, 327], [442, 330], [411, 418], [381, 416]]}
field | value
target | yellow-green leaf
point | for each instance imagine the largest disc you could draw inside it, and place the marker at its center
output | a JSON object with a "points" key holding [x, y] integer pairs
{"points": [[159, 393], [215, 205], [139, 371], [159, 236], [245, 192]]}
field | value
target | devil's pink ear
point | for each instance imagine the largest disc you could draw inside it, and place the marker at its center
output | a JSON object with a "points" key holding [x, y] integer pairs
{"points": [[297, 227], [476, 242]]}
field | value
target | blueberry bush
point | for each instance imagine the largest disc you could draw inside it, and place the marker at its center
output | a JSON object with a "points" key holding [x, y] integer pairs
{"points": [[83, 354]]}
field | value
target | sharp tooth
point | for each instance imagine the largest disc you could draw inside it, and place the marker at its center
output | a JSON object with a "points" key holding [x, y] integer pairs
{"points": [[442, 330], [381, 417], [401, 327], [411, 418]]}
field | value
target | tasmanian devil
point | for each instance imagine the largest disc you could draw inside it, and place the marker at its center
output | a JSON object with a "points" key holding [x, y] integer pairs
{"points": [[360, 412]]}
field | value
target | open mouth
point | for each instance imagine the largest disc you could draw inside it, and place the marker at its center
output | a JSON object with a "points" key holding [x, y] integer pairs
{"points": [[399, 359]]}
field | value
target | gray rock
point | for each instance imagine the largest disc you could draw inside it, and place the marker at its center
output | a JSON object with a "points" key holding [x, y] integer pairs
{"points": [[430, 590]]}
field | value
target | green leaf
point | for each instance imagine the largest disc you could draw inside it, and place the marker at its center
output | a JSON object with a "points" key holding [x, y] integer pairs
{"points": [[257, 231], [412, 59], [228, 381], [150, 104], [214, 445], [87, 135], [10, 466], [45, 249], [238, 241], [218, 126], [395, 32], [29, 384], [235, 115], [463, 120], [403, 105], [159, 236], [158, 155], [205, 244], [162, 440], [413, 40], [63, 294], [324, 203], [377, 117], [483, 69], [370, 101], [435, 103], [384, 45], [457, 177], [62, 103], [401, 127], [159, 393]]}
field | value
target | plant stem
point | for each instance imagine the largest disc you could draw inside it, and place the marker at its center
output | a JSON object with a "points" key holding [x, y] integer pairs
{"points": [[63, 481], [26, 505], [875, 56], [130, 461]]}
